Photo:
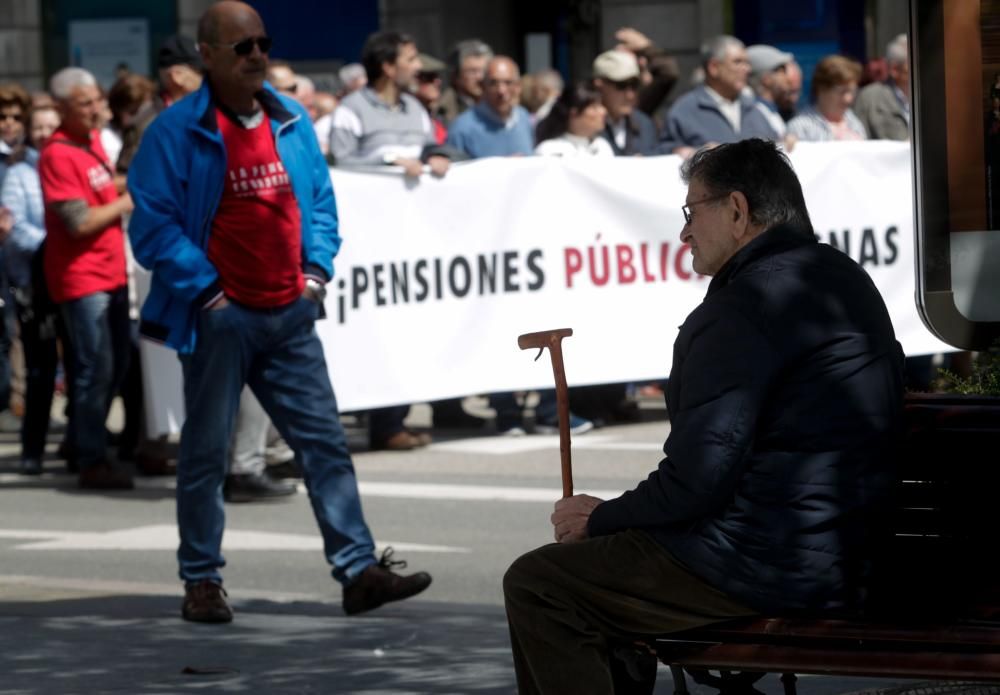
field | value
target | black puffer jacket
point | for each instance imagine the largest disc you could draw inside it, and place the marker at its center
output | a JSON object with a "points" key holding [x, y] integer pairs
{"points": [[785, 399]]}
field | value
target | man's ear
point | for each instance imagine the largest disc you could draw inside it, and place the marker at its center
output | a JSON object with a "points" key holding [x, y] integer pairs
{"points": [[740, 213]]}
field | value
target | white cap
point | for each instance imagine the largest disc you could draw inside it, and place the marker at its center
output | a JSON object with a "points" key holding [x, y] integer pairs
{"points": [[616, 66]]}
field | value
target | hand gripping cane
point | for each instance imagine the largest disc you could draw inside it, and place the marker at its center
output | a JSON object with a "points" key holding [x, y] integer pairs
{"points": [[553, 341]]}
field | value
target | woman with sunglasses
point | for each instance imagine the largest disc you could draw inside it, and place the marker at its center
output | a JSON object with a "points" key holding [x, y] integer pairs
{"points": [[574, 125]]}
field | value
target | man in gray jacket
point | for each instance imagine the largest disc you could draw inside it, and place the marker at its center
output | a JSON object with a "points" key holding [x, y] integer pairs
{"points": [[717, 111], [884, 107]]}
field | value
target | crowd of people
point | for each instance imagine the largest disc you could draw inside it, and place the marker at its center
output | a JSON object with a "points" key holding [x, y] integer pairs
{"points": [[219, 174], [67, 267]]}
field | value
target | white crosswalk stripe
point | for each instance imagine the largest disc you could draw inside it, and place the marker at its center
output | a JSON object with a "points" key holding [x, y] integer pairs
{"points": [[164, 537]]}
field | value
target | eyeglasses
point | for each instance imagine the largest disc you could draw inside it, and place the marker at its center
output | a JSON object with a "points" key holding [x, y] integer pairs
{"points": [[626, 84], [428, 77], [245, 47], [686, 209]]}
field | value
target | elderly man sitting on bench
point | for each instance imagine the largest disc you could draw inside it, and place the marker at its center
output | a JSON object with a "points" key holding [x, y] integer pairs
{"points": [[785, 398]]}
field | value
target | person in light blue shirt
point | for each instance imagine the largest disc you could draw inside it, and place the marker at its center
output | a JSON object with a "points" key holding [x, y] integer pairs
{"points": [[39, 322], [496, 126]]}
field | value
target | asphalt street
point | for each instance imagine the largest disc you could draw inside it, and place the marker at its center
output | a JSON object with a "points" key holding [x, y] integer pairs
{"points": [[89, 600]]}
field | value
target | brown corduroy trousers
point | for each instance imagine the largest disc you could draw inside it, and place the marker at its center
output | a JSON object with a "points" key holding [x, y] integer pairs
{"points": [[568, 604]]}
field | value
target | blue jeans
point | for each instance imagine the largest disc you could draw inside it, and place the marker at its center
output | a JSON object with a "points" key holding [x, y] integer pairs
{"points": [[278, 354], [98, 329]]}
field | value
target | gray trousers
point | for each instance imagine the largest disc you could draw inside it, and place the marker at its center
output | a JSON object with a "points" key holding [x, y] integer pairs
{"points": [[568, 604]]}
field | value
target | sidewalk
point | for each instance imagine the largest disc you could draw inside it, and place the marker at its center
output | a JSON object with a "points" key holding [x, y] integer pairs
{"points": [[59, 638]]}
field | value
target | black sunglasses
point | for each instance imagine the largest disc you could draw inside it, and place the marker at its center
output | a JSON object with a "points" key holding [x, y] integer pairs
{"points": [[428, 77], [245, 47], [626, 84]]}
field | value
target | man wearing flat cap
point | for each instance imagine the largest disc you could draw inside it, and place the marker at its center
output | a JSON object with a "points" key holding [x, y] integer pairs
{"points": [[770, 81], [628, 130]]}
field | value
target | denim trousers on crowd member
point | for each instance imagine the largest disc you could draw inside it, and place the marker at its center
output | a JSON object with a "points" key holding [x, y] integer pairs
{"points": [[98, 328], [278, 354]]}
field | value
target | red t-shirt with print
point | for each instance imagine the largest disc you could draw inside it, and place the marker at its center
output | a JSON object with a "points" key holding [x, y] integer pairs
{"points": [[73, 169], [256, 241]]}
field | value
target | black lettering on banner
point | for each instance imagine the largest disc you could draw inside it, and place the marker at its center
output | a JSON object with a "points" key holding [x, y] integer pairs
{"points": [[457, 289], [359, 285], [419, 270], [378, 270], [869, 251], [400, 282], [535, 267], [487, 273], [890, 236], [510, 272], [437, 278], [341, 301]]}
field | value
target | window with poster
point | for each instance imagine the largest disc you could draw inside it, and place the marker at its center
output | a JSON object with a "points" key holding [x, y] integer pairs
{"points": [[955, 59]]}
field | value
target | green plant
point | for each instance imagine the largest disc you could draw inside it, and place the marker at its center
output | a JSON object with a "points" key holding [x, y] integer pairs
{"points": [[984, 379]]}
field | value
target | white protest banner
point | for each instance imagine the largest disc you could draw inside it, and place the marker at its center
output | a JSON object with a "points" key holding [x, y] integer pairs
{"points": [[437, 278]]}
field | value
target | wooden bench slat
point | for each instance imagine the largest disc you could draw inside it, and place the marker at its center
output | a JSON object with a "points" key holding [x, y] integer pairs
{"points": [[796, 630], [877, 663]]}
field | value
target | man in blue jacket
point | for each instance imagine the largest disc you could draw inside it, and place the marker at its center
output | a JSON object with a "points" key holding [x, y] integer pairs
{"points": [[784, 397], [717, 111], [236, 218]]}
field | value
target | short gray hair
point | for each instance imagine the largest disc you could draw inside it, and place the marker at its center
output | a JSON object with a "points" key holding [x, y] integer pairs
{"points": [[351, 72], [64, 82], [897, 51], [717, 47], [468, 48]]}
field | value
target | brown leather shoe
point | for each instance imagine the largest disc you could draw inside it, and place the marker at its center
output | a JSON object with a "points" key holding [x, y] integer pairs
{"points": [[401, 441], [378, 584], [205, 602], [104, 476]]}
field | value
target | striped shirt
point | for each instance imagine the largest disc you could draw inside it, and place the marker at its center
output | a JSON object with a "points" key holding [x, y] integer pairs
{"points": [[366, 130], [811, 126]]}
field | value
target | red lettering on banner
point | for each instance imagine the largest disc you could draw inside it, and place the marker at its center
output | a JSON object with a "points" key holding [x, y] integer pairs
{"points": [[626, 271], [574, 264], [596, 264], [644, 252]]}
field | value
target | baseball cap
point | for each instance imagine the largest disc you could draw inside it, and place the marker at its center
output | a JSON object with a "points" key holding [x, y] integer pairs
{"points": [[616, 66], [765, 59], [431, 64], [179, 50]]}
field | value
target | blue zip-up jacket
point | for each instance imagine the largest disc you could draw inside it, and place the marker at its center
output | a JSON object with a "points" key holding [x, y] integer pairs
{"points": [[176, 182], [695, 120]]}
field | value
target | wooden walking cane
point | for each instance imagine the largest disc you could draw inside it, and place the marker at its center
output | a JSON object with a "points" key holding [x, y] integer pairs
{"points": [[553, 341]]}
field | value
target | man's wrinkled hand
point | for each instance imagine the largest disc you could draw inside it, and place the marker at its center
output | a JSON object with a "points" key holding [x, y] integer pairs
{"points": [[571, 516]]}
